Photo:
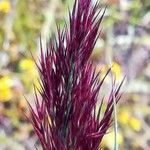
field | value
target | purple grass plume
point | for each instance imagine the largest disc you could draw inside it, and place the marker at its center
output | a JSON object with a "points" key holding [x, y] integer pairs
{"points": [[66, 117]]}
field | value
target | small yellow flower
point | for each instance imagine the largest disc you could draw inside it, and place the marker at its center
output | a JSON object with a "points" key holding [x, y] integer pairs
{"points": [[124, 117], [135, 124], [116, 69], [29, 69], [5, 88], [27, 65], [5, 6]]}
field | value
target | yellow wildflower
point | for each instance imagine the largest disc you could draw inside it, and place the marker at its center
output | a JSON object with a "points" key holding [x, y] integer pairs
{"points": [[124, 117], [5, 6], [116, 69], [5, 88], [29, 69], [135, 124], [27, 65]]}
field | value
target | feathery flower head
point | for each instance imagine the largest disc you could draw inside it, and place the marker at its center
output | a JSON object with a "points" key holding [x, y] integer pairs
{"points": [[66, 117]]}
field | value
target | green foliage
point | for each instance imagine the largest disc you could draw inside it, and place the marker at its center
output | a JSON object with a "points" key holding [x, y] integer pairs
{"points": [[27, 23]]}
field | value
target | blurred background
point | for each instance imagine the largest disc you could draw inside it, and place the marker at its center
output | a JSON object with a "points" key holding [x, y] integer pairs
{"points": [[125, 39]]}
